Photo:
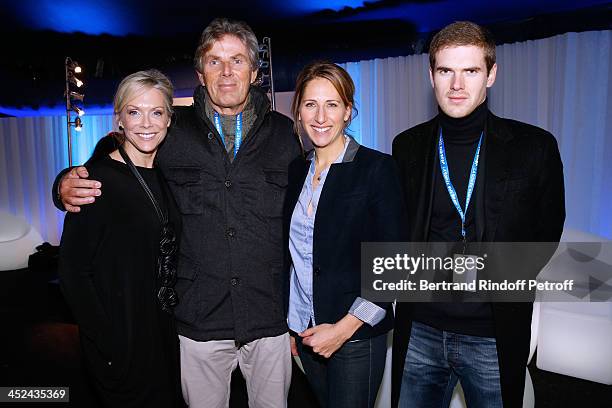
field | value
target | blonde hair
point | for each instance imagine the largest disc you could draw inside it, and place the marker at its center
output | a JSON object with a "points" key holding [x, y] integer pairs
{"points": [[137, 83]]}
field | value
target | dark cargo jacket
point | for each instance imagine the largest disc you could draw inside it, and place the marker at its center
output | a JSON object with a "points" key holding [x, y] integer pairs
{"points": [[230, 262]]}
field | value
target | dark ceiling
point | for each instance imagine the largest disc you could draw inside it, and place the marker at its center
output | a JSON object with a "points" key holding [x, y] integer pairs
{"points": [[111, 38]]}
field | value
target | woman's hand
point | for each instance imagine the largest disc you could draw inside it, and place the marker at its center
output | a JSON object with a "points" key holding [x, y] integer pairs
{"points": [[325, 339]]}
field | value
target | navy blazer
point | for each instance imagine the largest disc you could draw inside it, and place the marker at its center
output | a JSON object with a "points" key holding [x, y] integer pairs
{"points": [[361, 201]]}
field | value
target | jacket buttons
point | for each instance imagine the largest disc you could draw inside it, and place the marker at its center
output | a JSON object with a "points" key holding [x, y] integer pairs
{"points": [[231, 232], [234, 281], [210, 135], [228, 183], [317, 271]]}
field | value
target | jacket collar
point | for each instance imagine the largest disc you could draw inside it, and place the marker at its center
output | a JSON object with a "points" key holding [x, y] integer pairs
{"points": [[259, 100], [497, 129], [349, 155]]}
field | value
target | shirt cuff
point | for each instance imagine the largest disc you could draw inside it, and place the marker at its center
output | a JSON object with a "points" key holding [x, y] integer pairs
{"points": [[367, 311]]}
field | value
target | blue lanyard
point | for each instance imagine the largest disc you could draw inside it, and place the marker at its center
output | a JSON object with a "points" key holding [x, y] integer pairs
{"points": [[449, 184], [238, 137]]}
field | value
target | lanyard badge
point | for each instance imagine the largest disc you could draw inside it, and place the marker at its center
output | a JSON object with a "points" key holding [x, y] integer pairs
{"points": [[238, 137], [463, 275], [449, 185]]}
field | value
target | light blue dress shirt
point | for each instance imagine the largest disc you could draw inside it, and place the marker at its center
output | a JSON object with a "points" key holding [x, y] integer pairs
{"points": [[301, 308]]}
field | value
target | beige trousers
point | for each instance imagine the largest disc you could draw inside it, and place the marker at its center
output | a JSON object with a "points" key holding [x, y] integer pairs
{"points": [[206, 370]]}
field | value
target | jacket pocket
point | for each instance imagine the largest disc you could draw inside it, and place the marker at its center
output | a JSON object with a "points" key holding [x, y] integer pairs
{"points": [[517, 184], [186, 311], [99, 358], [274, 191], [108, 362], [187, 187]]}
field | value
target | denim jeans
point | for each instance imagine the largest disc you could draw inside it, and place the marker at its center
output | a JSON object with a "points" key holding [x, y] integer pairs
{"points": [[437, 359], [350, 377]]}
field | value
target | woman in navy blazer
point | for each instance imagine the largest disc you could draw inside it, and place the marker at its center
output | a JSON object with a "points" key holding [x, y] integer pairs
{"points": [[343, 194]]}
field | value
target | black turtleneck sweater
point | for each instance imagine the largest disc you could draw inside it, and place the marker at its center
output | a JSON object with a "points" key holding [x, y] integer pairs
{"points": [[461, 137]]}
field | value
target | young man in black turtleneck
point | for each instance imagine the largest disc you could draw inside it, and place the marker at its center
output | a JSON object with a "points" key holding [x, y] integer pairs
{"points": [[512, 177]]}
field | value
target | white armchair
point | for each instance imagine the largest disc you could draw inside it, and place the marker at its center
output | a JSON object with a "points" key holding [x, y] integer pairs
{"points": [[18, 240], [574, 337]]}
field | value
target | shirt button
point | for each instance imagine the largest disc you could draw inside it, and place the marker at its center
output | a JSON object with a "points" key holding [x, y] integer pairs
{"points": [[317, 271], [228, 183], [231, 232], [210, 135], [234, 281]]}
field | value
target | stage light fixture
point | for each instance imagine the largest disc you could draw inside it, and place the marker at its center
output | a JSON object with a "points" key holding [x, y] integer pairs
{"points": [[266, 73], [76, 81], [72, 68], [77, 96], [78, 125], [79, 111]]}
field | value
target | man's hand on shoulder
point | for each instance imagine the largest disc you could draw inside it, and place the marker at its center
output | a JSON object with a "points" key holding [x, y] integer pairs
{"points": [[75, 190]]}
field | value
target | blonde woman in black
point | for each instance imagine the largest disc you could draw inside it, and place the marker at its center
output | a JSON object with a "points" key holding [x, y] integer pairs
{"points": [[117, 262]]}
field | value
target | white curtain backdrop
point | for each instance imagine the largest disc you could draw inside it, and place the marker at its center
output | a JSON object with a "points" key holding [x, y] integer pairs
{"points": [[561, 84], [32, 151]]}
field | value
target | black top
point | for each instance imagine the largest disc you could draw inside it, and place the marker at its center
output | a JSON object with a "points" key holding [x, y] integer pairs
{"points": [[460, 141], [107, 273], [461, 137], [465, 130]]}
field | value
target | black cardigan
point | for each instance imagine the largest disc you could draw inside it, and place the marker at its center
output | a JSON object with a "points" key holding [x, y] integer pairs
{"points": [[360, 202]]}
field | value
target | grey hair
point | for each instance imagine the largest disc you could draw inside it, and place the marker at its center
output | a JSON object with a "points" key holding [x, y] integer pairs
{"points": [[220, 27]]}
